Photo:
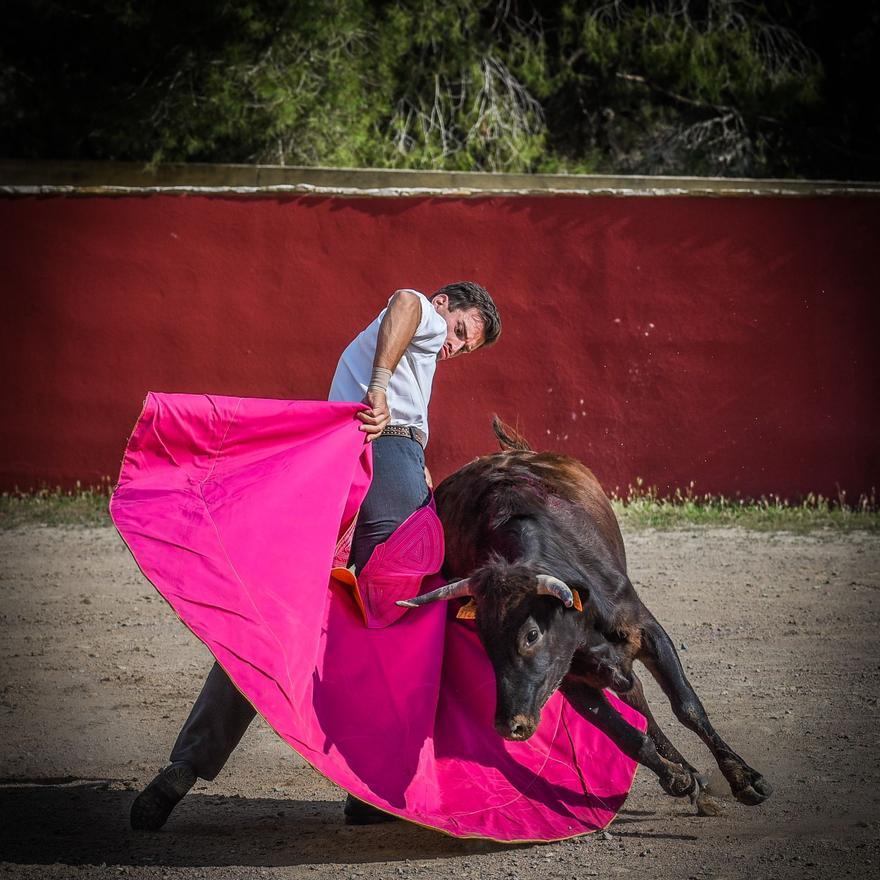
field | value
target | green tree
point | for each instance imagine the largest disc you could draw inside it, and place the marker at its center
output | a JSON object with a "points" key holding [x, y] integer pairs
{"points": [[666, 86]]}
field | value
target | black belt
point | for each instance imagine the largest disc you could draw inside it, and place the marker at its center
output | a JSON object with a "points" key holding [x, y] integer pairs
{"points": [[399, 431]]}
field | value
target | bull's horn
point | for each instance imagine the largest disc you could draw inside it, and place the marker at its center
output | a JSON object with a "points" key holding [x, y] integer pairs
{"points": [[450, 591], [551, 586]]}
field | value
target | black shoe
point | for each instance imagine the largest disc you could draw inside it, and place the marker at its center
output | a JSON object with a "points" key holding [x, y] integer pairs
{"points": [[359, 813], [152, 807]]}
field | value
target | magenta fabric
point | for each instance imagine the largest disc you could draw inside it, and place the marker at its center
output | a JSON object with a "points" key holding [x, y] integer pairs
{"points": [[396, 569], [232, 508]]}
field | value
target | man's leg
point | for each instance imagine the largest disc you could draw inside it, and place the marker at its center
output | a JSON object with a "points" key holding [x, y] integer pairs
{"points": [[398, 489], [221, 714], [215, 726]]}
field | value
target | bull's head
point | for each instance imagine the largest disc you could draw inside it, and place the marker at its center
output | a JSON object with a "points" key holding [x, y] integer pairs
{"points": [[528, 632]]}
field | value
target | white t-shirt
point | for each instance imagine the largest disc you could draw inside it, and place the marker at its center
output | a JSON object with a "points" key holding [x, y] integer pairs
{"points": [[410, 387]]}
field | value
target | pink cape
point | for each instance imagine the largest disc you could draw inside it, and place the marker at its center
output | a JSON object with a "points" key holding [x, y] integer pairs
{"points": [[232, 508]]}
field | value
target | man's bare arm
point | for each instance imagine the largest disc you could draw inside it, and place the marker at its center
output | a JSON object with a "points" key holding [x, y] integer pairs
{"points": [[395, 333]]}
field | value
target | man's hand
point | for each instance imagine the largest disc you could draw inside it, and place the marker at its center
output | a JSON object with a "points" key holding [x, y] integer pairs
{"points": [[377, 416], [428, 479]]}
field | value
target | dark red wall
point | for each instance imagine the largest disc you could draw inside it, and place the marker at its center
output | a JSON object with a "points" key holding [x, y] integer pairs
{"points": [[727, 341]]}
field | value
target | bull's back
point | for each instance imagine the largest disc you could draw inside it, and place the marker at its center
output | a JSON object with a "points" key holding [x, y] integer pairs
{"points": [[471, 501]]}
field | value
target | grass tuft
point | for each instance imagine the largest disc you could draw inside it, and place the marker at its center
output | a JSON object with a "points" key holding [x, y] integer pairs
{"points": [[57, 507], [641, 507], [644, 507]]}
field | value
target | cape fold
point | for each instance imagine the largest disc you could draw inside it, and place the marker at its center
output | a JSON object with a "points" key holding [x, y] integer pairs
{"points": [[234, 508]]}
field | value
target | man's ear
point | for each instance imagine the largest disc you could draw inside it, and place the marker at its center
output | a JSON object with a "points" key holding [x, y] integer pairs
{"points": [[440, 300]]}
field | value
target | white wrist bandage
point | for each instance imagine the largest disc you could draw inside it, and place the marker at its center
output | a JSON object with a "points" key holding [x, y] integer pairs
{"points": [[380, 379]]}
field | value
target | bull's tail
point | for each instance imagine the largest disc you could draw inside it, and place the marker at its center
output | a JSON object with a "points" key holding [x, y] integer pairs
{"points": [[508, 437]]}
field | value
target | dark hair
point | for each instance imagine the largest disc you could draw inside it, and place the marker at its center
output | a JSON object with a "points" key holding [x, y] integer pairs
{"points": [[468, 295]]}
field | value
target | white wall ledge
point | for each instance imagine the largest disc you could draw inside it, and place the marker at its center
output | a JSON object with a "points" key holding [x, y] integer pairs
{"points": [[23, 178]]}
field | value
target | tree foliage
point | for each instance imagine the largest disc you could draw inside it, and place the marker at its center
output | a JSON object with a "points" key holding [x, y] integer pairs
{"points": [[670, 86]]}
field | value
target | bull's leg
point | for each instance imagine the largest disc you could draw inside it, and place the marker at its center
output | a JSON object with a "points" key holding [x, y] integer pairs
{"points": [[659, 655], [635, 697], [676, 779]]}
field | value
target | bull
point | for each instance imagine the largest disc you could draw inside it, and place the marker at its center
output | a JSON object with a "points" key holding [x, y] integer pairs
{"points": [[530, 536]]}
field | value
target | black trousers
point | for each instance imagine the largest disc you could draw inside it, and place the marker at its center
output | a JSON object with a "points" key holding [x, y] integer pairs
{"points": [[221, 715]]}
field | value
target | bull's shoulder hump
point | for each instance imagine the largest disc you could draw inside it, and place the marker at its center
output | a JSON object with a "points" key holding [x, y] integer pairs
{"points": [[563, 470], [561, 474]]}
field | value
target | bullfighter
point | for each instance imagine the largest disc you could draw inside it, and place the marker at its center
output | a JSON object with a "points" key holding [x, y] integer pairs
{"points": [[390, 367]]}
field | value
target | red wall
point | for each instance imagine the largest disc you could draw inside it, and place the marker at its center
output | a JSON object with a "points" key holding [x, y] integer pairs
{"points": [[728, 341]]}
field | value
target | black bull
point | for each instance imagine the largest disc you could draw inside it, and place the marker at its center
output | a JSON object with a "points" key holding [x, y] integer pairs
{"points": [[524, 532]]}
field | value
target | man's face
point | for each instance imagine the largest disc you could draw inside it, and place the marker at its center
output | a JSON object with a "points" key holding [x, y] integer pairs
{"points": [[464, 329]]}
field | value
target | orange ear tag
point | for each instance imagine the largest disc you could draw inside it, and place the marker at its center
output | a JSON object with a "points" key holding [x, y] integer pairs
{"points": [[468, 611]]}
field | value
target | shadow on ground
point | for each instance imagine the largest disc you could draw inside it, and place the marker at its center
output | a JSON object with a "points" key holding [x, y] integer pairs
{"points": [[87, 823]]}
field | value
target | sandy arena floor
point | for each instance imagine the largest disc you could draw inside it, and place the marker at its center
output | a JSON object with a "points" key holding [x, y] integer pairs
{"points": [[778, 634]]}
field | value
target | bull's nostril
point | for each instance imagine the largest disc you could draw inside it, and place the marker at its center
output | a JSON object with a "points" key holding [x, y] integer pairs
{"points": [[517, 728]]}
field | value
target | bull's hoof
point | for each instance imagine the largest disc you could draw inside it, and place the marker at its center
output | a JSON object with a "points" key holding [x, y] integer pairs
{"points": [[752, 789], [679, 782]]}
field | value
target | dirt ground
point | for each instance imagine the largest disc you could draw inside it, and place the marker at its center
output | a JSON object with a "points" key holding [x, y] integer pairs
{"points": [[778, 633]]}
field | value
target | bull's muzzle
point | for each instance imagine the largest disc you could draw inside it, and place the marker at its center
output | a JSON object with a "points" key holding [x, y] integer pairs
{"points": [[517, 728]]}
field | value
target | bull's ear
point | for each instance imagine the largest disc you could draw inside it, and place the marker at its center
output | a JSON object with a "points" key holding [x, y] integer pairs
{"points": [[552, 586], [450, 591]]}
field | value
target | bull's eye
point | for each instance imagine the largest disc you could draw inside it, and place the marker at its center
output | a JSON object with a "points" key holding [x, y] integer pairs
{"points": [[532, 636]]}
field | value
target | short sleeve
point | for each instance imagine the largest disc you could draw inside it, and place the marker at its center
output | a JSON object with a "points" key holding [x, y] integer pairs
{"points": [[431, 332]]}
